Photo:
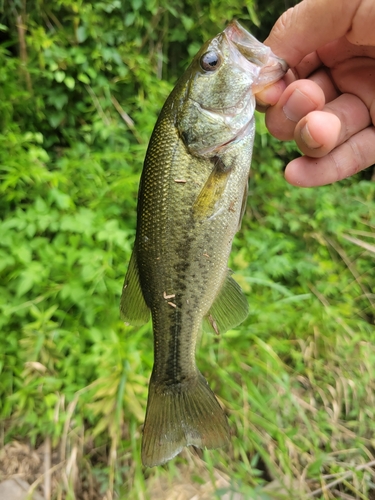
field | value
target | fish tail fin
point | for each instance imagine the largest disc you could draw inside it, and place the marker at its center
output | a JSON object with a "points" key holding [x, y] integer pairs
{"points": [[182, 415]]}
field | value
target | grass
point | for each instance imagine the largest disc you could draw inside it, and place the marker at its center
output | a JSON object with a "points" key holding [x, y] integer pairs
{"points": [[297, 378]]}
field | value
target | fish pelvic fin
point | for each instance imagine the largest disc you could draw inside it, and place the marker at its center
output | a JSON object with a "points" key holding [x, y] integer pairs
{"points": [[133, 308], [182, 415]]}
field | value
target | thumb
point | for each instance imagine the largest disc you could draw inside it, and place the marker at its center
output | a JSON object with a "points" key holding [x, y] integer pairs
{"points": [[310, 25]]}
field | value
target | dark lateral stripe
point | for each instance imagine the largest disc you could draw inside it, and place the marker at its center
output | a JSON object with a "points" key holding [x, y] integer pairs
{"points": [[173, 362]]}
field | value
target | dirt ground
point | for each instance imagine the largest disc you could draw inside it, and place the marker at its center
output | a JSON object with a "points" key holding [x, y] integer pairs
{"points": [[22, 473]]}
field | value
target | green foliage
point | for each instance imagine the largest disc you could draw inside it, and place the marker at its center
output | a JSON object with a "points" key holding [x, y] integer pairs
{"points": [[80, 89]]}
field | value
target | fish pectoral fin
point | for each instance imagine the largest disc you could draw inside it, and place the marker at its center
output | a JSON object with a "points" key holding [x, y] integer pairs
{"points": [[230, 307], [205, 204], [179, 416], [133, 308]]}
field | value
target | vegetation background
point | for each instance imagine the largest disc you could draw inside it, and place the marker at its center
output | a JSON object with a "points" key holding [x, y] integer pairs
{"points": [[81, 85]]}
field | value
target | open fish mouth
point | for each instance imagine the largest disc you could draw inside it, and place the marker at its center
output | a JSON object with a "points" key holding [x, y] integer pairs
{"points": [[272, 68]]}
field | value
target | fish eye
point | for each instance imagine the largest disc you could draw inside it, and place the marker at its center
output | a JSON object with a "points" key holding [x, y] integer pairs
{"points": [[210, 61]]}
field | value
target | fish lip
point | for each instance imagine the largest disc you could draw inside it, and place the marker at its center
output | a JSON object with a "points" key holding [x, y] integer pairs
{"points": [[253, 50], [271, 72], [272, 68]]}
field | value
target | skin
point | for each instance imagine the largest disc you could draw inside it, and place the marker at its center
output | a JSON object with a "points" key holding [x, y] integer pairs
{"points": [[326, 102]]}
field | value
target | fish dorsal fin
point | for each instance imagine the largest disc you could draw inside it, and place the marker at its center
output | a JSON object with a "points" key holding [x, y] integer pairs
{"points": [[212, 191], [230, 307], [133, 308]]}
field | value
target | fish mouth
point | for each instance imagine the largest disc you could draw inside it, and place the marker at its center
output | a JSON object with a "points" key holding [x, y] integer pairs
{"points": [[272, 68]]}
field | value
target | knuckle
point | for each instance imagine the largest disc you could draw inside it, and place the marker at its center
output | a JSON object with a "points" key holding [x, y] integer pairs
{"points": [[356, 154]]}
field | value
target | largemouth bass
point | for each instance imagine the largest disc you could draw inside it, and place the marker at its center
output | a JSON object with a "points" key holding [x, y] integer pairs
{"points": [[191, 200]]}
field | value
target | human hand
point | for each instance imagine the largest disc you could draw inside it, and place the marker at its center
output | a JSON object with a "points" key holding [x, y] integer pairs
{"points": [[326, 102]]}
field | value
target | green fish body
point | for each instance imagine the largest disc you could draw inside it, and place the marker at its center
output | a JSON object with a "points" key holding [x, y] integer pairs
{"points": [[192, 196]]}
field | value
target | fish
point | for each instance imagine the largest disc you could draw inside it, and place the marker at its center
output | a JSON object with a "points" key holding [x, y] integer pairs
{"points": [[191, 200]]}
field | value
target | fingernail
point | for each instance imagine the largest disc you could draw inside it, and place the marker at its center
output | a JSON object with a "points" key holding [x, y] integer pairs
{"points": [[307, 138], [261, 106], [260, 102], [297, 106]]}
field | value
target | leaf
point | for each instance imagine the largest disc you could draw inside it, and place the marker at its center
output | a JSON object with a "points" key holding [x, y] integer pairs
{"points": [[32, 275], [82, 77], [81, 34], [56, 118], [69, 82], [59, 76]]}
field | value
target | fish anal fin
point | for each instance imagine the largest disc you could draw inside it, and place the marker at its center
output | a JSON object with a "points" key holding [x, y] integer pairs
{"points": [[182, 415], [230, 307], [133, 308], [205, 204]]}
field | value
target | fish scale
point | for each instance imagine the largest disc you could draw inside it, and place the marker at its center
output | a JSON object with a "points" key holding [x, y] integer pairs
{"points": [[191, 200]]}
